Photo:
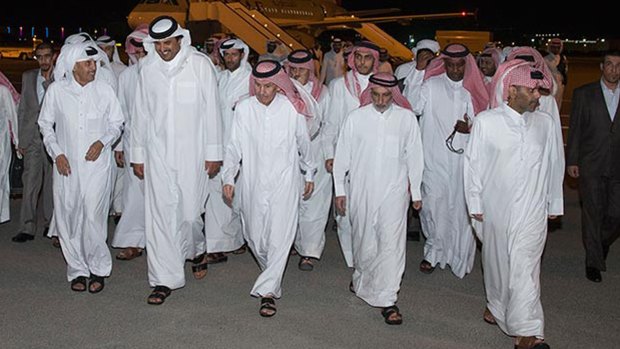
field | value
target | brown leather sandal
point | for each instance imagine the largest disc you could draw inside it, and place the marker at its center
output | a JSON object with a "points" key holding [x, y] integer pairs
{"points": [[129, 253]]}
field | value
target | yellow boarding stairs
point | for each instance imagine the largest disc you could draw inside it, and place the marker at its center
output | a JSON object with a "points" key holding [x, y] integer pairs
{"points": [[250, 26], [256, 29], [373, 33]]}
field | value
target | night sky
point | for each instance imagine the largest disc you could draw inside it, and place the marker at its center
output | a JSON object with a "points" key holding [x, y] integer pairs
{"points": [[524, 16]]}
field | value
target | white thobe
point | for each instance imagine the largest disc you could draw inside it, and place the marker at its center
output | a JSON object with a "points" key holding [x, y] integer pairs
{"points": [[549, 105], [72, 118], [332, 67], [8, 130], [176, 128], [223, 223], [445, 222], [382, 152], [130, 229], [273, 143], [342, 103], [118, 179], [403, 70], [413, 80], [314, 212], [117, 68], [513, 177], [105, 74]]}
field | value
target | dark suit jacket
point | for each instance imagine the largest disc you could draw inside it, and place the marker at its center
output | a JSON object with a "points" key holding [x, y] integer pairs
{"points": [[593, 139], [28, 111]]}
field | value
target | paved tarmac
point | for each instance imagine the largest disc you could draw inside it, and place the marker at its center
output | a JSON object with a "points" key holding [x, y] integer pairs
{"points": [[316, 311]]}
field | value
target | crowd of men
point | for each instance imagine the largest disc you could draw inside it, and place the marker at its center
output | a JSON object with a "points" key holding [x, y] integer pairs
{"points": [[205, 154]]}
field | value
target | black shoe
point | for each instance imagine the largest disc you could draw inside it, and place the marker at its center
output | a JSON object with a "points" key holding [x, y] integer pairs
{"points": [[593, 274], [22, 237]]}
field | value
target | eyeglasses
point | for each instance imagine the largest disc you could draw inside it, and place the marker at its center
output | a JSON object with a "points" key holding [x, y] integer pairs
{"points": [[449, 143]]}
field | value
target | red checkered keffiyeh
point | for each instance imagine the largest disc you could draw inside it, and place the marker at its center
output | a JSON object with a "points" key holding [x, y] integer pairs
{"points": [[388, 81], [271, 71]]}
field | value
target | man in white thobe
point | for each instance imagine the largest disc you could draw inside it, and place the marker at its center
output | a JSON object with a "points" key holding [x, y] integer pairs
{"points": [[384, 62], [332, 66], [276, 51], [129, 233], [453, 91], [423, 52], [176, 145], [105, 72], [8, 135], [269, 135], [381, 149], [223, 223], [488, 62], [546, 103], [314, 212], [212, 53], [80, 119], [345, 97], [513, 184], [108, 45]]}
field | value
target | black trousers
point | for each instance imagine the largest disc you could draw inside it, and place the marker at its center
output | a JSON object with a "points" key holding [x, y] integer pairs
{"points": [[600, 217]]}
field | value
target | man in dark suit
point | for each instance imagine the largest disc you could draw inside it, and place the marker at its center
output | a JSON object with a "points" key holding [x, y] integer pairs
{"points": [[37, 176], [593, 156]]}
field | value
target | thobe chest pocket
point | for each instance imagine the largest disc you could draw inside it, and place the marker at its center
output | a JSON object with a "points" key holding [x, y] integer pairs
{"points": [[392, 147], [280, 139], [186, 92], [94, 124], [95, 120], [533, 152]]}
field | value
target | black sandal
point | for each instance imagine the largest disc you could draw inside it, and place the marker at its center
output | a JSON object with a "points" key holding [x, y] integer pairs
{"points": [[215, 258], [267, 305], [95, 279], [159, 295], [305, 264], [240, 250], [388, 311], [80, 280], [199, 266]]}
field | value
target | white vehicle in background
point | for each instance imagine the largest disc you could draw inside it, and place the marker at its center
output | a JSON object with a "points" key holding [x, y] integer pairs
{"points": [[20, 51]]}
